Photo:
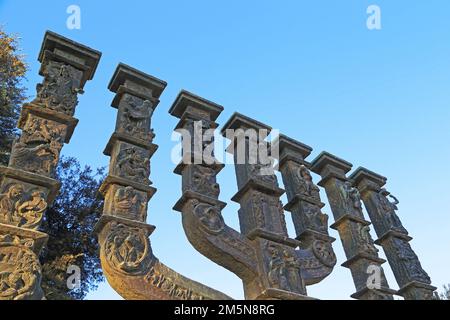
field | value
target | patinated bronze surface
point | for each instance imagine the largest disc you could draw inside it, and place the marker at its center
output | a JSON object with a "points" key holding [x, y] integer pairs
{"points": [[270, 263], [27, 185]]}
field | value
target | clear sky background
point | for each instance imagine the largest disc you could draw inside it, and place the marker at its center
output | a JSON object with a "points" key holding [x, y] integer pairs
{"points": [[312, 69]]}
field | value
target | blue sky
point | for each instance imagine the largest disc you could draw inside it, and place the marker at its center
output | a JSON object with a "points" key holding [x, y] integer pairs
{"points": [[312, 69]]}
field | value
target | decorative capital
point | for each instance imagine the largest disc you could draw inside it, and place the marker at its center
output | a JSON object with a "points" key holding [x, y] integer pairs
{"points": [[137, 83], [290, 149], [189, 104], [364, 177], [239, 121], [58, 48], [327, 164]]}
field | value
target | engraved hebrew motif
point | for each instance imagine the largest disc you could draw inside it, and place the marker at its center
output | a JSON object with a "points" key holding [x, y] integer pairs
{"points": [[324, 252], [127, 248], [60, 87], [22, 208], [175, 291]]}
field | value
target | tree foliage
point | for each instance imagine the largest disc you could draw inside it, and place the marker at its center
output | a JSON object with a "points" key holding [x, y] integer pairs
{"points": [[445, 295], [70, 224], [12, 93]]}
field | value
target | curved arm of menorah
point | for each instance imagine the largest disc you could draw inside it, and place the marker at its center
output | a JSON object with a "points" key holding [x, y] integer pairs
{"points": [[317, 260], [135, 273], [206, 230]]}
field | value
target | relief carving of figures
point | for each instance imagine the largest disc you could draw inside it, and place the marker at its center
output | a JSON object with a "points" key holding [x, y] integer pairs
{"points": [[351, 196], [37, 150], [411, 261], [134, 164], [127, 248], [365, 240], [259, 206], [210, 217], [200, 135], [20, 208], [282, 217], [388, 209], [204, 181], [20, 273], [305, 184], [60, 87], [316, 220], [324, 252], [129, 203], [40, 159], [136, 117], [284, 268], [263, 172]]}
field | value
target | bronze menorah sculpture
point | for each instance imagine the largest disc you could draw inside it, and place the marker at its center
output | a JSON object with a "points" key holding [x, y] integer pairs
{"points": [[270, 264]]}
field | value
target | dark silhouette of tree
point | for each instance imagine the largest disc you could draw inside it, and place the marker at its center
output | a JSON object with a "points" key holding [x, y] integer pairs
{"points": [[70, 223], [445, 295], [12, 93]]}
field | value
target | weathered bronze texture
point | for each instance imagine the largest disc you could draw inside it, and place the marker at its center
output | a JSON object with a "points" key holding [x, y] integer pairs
{"points": [[381, 205], [345, 203], [261, 254], [27, 185], [127, 258]]}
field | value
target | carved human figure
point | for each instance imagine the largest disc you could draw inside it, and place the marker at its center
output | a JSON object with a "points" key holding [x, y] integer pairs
{"points": [[259, 207], [305, 183], [365, 240], [134, 165], [352, 196], [210, 217], [136, 117], [263, 172], [40, 158], [204, 181], [126, 248], [315, 219], [128, 202], [388, 209], [282, 218], [31, 211], [60, 87], [411, 261], [292, 269], [20, 275], [12, 194], [276, 275]]}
